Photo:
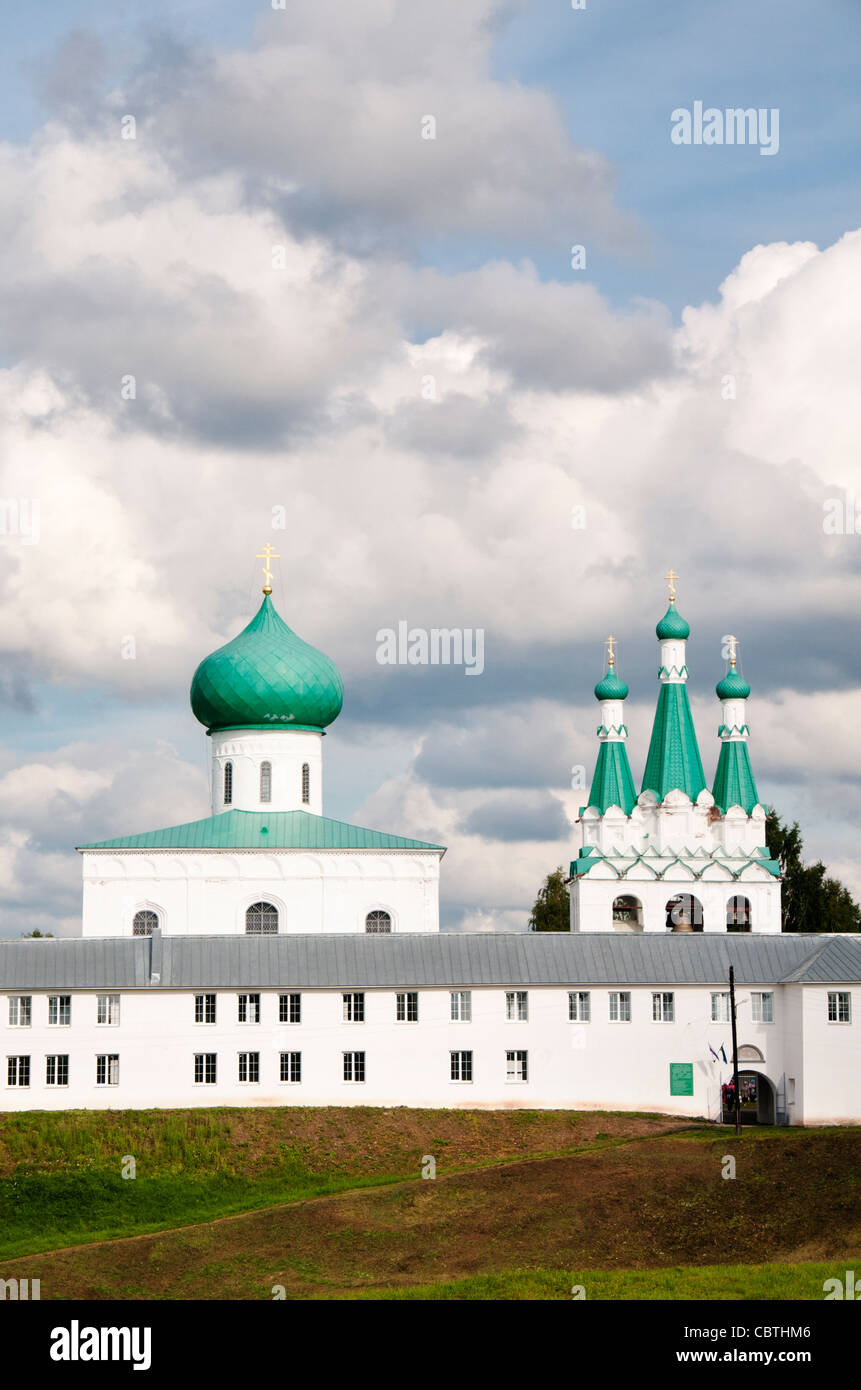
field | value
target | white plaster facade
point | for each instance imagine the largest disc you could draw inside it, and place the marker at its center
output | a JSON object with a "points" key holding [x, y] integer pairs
{"points": [[286, 751]]}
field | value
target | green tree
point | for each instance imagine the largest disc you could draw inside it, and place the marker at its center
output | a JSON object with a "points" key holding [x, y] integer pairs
{"points": [[44, 936], [552, 911], [811, 900]]}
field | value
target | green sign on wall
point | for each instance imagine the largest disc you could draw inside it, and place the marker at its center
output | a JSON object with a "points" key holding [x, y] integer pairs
{"points": [[681, 1078]]}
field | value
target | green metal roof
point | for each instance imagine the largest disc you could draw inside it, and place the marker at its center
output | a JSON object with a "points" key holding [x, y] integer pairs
{"points": [[267, 677], [613, 784], [734, 783], [263, 830], [674, 761]]}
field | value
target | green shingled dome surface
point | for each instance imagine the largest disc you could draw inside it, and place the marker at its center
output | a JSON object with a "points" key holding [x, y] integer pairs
{"points": [[734, 784], [673, 625], [732, 687], [674, 761], [611, 687], [267, 677]]}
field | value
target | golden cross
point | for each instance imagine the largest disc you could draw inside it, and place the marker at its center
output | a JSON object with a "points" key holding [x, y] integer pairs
{"points": [[611, 660], [267, 554], [672, 577], [732, 646]]}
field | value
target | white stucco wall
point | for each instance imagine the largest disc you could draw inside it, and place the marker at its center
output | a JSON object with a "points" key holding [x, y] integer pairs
{"points": [[592, 898], [599, 1064], [286, 750]]}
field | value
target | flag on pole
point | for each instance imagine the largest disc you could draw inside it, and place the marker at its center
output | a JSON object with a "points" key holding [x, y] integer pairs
{"points": [[714, 1054], [723, 1053]]}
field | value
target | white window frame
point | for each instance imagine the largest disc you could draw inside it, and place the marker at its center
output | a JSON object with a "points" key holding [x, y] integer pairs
{"points": [[294, 1004], [201, 1005], [758, 1007], [839, 996], [579, 1006], [407, 1000], [517, 1006], [249, 1061], [353, 1004], [16, 1007], [460, 1065], [516, 1059], [13, 1067], [110, 1008], [621, 998], [58, 1008], [204, 1058], [248, 1004], [461, 1005], [352, 1065], [721, 1009], [56, 1058], [663, 1006], [290, 1080], [109, 1063]]}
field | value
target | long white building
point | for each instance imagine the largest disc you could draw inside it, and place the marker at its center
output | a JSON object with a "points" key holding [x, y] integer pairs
{"points": [[268, 955]]}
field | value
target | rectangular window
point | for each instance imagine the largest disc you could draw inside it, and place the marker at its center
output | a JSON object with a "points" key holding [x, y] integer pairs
{"points": [[289, 1008], [762, 1008], [20, 1010], [663, 1008], [249, 1008], [291, 1066], [60, 1010], [408, 1008], [249, 1066], [108, 1009], [354, 1066], [515, 1066], [839, 1006], [516, 1005], [108, 1069], [720, 1008], [18, 1071], [579, 1006], [461, 1005], [204, 1008], [461, 1066], [354, 1008], [204, 1068], [620, 1006], [57, 1070]]}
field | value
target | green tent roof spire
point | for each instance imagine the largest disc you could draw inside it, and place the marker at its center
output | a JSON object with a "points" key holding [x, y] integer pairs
{"points": [[673, 762], [734, 783], [612, 784]]}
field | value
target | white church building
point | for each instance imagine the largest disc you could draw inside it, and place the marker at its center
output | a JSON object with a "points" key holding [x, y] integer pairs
{"points": [[269, 955]]}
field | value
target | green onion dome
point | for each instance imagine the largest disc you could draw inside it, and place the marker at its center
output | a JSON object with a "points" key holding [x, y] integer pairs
{"points": [[733, 686], [672, 625], [611, 687], [266, 678]]}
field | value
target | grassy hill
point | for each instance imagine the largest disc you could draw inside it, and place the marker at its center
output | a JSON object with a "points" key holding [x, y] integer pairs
{"points": [[520, 1203]]}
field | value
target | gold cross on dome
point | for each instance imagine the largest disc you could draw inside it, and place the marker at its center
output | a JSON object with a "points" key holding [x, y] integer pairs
{"points": [[609, 644], [733, 642], [671, 577], [267, 554]]}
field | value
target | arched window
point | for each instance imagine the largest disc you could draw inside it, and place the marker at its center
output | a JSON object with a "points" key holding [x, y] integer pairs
{"points": [[265, 781], [627, 914], [684, 913], [306, 784], [738, 914], [144, 923], [378, 922], [261, 919], [228, 783]]}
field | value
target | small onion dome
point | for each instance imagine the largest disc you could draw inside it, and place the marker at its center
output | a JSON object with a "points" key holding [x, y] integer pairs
{"points": [[672, 625], [266, 678], [611, 687], [732, 687]]}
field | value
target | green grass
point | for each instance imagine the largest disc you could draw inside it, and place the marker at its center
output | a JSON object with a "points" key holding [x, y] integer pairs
{"points": [[733, 1282]]}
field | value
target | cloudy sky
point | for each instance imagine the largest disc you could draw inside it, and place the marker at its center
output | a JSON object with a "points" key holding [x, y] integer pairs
{"points": [[380, 340]]}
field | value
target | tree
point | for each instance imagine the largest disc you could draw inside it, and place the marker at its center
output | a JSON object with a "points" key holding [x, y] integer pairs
{"points": [[552, 910], [811, 901], [44, 936]]}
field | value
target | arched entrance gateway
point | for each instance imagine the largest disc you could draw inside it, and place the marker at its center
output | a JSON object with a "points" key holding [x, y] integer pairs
{"points": [[756, 1091]]}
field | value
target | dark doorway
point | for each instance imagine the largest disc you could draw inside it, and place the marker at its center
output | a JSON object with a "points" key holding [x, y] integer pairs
{"points": [[757, 1100]]}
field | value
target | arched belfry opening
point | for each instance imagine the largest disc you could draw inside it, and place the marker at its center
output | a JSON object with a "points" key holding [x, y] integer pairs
{"points": [[684, 913], [738, 913], [627, 913]]}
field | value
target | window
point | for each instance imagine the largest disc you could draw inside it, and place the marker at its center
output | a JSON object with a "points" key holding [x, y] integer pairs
{"points": [[354, 1066], [579, 1006], [261, 919], [228, 783], [204, 1008], [60, 1010], [663, 1008], [144, 923], [408, 1008], [354, 1008], [108, 1070], [57, 1070], [289, 1008], [306, 784], [108, 1009], [291, 1066], [762, 1008], [839, 1006], [720, 1008], [461, 1066], [249, 1066], [204, 1068], [249, 1008], [265, 781], [620, 1006], [515, 1066], [378, 923], [20, 1010], [461, 1005], [516, 1005], [18, 1071]]}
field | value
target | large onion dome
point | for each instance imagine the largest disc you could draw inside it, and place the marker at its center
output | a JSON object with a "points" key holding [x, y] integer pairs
{"points": [[611, 687], [673, 625], [266, 678], [733, 686]]}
